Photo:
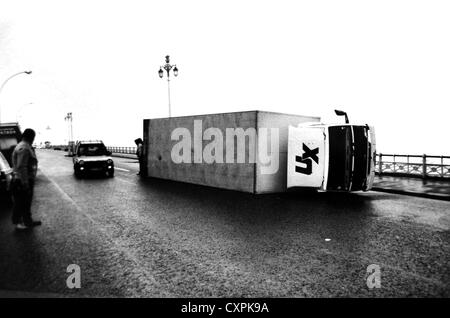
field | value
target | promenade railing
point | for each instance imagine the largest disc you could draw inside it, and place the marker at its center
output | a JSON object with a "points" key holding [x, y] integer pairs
{"points": [[124, 150], [423, 166]]}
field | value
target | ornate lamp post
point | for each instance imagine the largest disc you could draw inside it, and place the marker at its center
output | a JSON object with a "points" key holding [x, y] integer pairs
{"points": [[14, 75], [168, 67], [69, 118]]}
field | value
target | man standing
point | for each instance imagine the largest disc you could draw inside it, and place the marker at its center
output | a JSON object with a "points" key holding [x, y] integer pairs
{"points": [[24, 173], [140, 154]]}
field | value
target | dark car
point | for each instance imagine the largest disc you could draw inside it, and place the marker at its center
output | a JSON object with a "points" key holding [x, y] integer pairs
{"points": [[92, 156], [5, 175]]}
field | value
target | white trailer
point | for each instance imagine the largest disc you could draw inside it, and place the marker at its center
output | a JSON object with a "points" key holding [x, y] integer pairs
{"points": [[259, 152]]}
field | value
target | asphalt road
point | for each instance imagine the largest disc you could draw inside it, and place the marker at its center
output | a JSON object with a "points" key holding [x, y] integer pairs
{"points": [[156, 238]]}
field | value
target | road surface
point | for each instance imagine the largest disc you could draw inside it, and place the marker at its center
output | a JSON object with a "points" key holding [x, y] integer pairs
{"points": [[156, 238]]}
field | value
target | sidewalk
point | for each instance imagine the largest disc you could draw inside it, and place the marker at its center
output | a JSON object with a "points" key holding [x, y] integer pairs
{"points": [[433, 189]]}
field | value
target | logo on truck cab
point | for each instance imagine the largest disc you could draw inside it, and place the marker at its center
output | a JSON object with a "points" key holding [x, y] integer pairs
{"points": [[307, 159]]}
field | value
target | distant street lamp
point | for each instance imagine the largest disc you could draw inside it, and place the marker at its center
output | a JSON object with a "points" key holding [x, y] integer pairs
{"points": [[70, 144], [69, 119], [168, 67], [7, 80]]}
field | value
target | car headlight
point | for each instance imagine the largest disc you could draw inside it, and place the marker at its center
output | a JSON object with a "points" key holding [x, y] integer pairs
{"points": [[109, 161], [81, 162]]}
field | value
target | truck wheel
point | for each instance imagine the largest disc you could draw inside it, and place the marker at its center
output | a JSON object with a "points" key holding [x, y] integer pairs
{"points": [[110, 174]]}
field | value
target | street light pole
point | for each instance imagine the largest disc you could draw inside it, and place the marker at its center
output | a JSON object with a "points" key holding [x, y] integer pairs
{"points": [[69, 118], [168, 68], [7, 80], [168, 90], [70, 143]]}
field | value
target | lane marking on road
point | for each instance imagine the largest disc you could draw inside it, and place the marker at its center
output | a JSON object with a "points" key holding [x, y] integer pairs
{"points": [[120, 246], [121, 169], [64, 194]]}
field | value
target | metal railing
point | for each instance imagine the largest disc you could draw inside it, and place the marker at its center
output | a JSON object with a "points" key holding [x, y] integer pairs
{"points": [[124, 150], [423, 166]]}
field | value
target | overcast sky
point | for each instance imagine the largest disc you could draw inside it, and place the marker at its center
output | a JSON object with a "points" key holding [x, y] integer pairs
{"points": [[387, 63]]}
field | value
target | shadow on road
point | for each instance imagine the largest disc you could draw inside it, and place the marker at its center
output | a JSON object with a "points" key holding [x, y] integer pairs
{"points": [[92, 176], [5, 203], [264, 206]]}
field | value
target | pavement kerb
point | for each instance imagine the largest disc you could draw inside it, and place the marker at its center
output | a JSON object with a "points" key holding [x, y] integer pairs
{"points": [[435, 196]]}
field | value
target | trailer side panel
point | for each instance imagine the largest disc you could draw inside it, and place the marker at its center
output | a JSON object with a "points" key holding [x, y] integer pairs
{"points": [[159, 146]]}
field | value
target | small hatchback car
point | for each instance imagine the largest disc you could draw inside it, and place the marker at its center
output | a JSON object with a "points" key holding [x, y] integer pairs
{"points": [[92, 156]]}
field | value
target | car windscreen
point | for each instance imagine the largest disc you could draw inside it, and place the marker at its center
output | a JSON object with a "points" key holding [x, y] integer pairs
{"points": [[92, 150]]}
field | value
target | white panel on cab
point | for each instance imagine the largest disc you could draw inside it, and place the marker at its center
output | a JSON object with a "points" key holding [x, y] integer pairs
{"points": [[306, 157]]}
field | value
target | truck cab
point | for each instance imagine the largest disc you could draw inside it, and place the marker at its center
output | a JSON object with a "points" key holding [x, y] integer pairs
{"points": [[336, 157]]}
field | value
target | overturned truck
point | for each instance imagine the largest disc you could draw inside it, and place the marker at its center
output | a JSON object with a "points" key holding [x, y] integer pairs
{"points": [[260, 152]]}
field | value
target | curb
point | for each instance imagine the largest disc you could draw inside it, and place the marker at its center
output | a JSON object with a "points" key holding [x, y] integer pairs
{"points": [[434, 196]]}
